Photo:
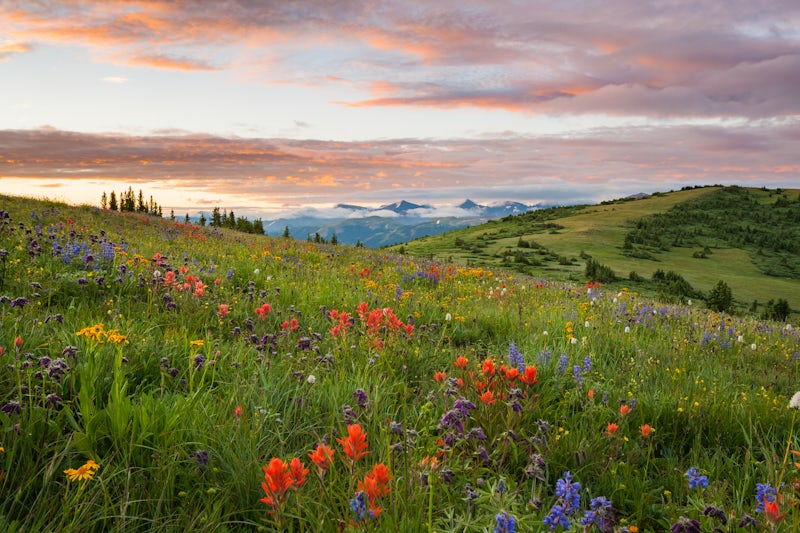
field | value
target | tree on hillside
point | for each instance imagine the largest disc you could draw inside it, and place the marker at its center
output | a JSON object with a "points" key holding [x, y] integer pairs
{"points": [[258, 227], [598, 272], [720, 298], [112, 201], [778, 311]]}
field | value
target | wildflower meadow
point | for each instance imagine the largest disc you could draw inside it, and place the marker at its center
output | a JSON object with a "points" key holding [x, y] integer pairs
{"points": [[161, 376]]}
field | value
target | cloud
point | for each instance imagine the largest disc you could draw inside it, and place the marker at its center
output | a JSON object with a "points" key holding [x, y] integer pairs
{"points": [[115, 79], [9, 50], [596, 164], [167, 62], [709, 59]]}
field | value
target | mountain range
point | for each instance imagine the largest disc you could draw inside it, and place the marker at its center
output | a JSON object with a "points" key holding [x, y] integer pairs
{"points": [[391, 223]]}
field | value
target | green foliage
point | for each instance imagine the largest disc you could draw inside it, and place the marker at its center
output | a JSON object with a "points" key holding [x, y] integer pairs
{"points": [[599, 273], [731, 217], [720, 298], [777, 310], [672, 287]]}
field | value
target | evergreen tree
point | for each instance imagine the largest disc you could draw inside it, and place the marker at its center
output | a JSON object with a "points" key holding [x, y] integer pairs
{"points": [[112, 201], [187, 220], [202, 219], [216, 218], [172, 214], [140, 206], [286, 233], [720, 298], [258, 227], [104, 201], [334, 240]]}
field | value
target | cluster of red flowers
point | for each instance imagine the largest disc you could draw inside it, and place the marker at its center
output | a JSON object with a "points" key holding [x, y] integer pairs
{"points": [[343, 323], [290, 325], [263, 310], [485, 383], [645, 430], [281, 477], [377, 321]]}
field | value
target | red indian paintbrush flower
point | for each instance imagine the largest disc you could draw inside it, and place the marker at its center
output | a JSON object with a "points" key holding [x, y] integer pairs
{"points": [[772, 511], [355, 444], [322, 457], [299, 472], [277, 480]]}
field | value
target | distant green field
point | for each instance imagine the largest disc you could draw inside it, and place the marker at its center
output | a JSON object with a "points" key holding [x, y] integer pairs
{"points": [[560, 245]]}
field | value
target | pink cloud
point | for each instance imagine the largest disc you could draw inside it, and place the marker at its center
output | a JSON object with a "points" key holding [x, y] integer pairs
{"points": [[732, 58], [598, 164]]}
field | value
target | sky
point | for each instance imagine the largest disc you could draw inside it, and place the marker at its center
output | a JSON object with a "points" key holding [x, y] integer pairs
{"points": [[264, 106]]}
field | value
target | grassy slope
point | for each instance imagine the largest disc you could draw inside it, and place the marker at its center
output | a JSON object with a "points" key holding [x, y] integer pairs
{"points": [[599, 231], [717, 403]]}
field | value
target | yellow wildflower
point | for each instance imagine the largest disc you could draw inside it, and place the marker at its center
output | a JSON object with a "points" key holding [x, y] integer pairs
{"points": [[197, 343], [86, 471]]}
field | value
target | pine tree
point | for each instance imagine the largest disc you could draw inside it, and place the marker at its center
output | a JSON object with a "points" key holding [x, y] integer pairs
{"points": [[112, 201], [720, 298]]}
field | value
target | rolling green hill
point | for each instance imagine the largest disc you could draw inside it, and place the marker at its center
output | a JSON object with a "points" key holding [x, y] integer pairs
{"points": [[746, 237]]}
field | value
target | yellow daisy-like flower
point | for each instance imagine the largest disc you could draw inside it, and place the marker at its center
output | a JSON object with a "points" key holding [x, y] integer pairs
{"points": [[86, 471], [114, 336], [95, 333], [198, 343]]}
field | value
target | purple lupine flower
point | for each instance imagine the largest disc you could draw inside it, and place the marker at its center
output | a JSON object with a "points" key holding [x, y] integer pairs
{"points": [[505, 523], [577, 373], [695, 479], [601, 513], [764, 493], [563, 361], [515, 358]]}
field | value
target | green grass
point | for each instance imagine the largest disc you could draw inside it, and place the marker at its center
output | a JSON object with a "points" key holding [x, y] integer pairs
{"points": [[599, 231], [152, 360]]}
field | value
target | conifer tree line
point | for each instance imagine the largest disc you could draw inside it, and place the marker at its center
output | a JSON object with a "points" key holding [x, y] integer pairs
{"points": [[225, 219], [127, 201]]}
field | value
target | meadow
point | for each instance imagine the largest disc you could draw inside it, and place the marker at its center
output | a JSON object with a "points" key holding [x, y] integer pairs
{"points": [[160, 376], [681, 225]]}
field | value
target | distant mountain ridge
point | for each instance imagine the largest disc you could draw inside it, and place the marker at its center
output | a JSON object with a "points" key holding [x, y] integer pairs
{"points": [[390, 223]]}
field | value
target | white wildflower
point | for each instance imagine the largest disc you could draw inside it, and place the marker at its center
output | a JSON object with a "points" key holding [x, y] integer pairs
{"points": [[257, 271], [627, 329], [311, 379], [753, 346], [448, 317], [794, 403]]}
